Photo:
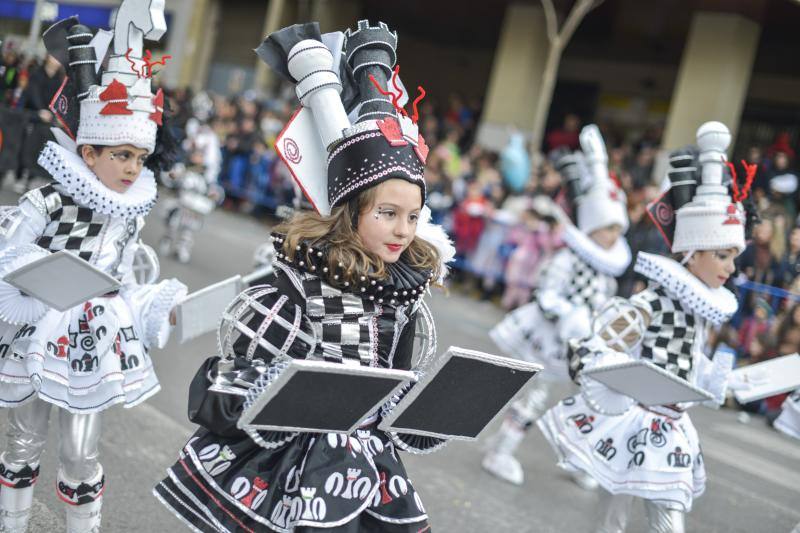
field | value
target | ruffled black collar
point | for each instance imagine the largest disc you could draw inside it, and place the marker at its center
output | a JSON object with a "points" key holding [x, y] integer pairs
{"points": [[404, 284]]}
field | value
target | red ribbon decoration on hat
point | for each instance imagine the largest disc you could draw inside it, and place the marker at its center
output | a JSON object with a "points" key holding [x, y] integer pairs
{"points": [[116, 94], [750, 174], [734, 216], [158, 101]]}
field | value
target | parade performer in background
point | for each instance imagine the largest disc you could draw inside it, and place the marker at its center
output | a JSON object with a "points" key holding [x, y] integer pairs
{"points": [[348, 289], [198, 192], [788, 421], [574, 284], [654, 453], [94, 355]]}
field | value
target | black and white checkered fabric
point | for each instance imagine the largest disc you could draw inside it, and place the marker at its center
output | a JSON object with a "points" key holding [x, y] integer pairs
{"points": [[587, 286], [262, 323], [669, 337], [69, 226], [345, 323]]}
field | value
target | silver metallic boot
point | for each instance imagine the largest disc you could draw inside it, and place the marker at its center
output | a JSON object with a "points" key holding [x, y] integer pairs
{"points": [[16, 496], [84, 500]]}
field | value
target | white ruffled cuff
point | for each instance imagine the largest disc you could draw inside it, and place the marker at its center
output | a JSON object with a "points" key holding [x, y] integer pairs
{"points": [[15, 307], [156, 325]]}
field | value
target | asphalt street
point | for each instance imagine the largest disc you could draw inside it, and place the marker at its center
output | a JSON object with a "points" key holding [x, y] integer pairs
{"points": [[753, 471]]}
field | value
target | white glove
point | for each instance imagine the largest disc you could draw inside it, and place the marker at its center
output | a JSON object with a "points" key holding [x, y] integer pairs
{"points": [[576, 324], [719, 373]]}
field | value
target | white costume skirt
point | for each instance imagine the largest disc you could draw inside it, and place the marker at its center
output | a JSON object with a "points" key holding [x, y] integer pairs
{"points": [[640, 453], [789, 420], [84, 360], [526, 334]]}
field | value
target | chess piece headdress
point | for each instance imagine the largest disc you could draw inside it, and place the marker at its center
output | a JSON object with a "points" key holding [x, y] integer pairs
{"points": [[114, 105], [351, 131]]}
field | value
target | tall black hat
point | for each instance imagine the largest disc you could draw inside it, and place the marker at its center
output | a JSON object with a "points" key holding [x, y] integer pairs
{"points": [[351, 131]]}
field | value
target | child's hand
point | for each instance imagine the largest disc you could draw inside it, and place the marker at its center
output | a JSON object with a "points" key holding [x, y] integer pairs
{"points": [[173, 317]]}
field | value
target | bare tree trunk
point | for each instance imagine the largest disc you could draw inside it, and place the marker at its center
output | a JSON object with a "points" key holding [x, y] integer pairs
{"points": [[558, 41], [544, 101]]}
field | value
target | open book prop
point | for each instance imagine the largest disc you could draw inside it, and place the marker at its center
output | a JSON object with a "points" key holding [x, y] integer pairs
{"points": [[201, 311], [60, 280], [766, 379], [647, 383], [459, 395], [318, 397]]}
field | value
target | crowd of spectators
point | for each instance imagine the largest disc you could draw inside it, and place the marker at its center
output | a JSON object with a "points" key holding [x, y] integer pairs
{"points": [[489, 201]]}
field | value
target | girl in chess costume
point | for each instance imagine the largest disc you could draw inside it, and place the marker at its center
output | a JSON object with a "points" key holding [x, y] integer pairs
{"points": [[347, 289], [653, 453], [575, 283], [96, 354], [788, 421]]}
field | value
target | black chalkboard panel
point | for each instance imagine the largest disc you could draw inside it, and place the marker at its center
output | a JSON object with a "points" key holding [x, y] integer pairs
{"points": [[460, 395], [315, 396]]}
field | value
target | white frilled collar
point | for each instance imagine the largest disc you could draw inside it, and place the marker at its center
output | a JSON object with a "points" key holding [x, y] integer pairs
{"points": [[715, 305], [612, 262], [78, 181]]}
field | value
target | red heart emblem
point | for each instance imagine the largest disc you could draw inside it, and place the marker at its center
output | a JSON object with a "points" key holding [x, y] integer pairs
{"points": [[392, 132]]}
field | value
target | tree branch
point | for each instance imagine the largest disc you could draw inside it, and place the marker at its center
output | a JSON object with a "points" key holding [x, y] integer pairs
{"points": [[574, 18], [551, 21]]}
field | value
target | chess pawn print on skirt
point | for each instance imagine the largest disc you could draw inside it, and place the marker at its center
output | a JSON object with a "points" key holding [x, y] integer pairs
{"points": [[96, 354], [347, 288], [654, 453], [575, 283]]}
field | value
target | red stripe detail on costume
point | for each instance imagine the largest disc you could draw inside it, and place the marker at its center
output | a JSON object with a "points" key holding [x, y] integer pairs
{"points": [[213, 498], [60, 497]]}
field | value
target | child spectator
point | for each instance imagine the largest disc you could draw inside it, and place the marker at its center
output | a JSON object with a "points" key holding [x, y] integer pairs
{"points": [[469, 220], [531, 241], [754, 325]]}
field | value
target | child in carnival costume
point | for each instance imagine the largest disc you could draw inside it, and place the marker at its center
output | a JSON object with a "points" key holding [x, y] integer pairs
{"points": [[94, 355], [197, 191], [576, 282], [348, 289], [653, 453]]}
